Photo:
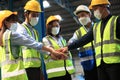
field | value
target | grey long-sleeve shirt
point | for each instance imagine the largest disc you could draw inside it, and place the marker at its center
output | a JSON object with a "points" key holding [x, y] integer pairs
{"points": [[25, 40], [22, 38]]}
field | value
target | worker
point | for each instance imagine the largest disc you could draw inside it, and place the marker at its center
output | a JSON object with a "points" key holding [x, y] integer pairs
{"points": [[56, 69], [106, 41], [31, 57], [86, 53], [10, 41]]}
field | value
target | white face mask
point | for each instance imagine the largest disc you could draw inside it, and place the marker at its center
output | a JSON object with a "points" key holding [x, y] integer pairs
{"points": [[34, 21], [13, 27], [97, 14], [55, 30], [84, 20]]}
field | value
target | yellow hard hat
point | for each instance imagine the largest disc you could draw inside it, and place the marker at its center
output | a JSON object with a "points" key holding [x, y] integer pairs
{"points": [[50, 19], [5, 14], [98, 2], [33, 5]]}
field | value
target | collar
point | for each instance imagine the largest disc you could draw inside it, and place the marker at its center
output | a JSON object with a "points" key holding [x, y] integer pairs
{"points": [[106, 18], [28, 25]]}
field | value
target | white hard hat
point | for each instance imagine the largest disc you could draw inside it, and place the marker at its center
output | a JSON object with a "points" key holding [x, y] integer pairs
{"points": [[81, 8]]}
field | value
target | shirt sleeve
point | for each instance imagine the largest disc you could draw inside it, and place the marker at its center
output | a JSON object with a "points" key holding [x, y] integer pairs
{"points": [[23, 40], [74, 37], [46, 43], [82, 41]]}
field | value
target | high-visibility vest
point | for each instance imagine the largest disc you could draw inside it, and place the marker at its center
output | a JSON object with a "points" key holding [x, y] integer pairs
{"points": [[107, 48], [12, 69], [31, 57], [86, 53], [56, 68], [0, 60]]}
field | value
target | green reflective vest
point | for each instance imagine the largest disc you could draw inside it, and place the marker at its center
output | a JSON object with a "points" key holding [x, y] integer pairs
{"points": [[31, 57], [12, 69], [81, 32], [86, 53], [56, 68], [107, 46]]}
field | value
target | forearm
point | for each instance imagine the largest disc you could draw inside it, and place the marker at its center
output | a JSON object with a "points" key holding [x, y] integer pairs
{"points": [[82, 41], [22, 40]]}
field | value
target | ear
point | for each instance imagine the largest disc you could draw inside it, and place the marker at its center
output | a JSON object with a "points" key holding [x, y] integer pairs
{"points": [[7, 24], [25, 14], [89, 15]]}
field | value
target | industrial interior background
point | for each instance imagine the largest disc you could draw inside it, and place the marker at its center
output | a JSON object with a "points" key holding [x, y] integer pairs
{"points": [[64, 8]]}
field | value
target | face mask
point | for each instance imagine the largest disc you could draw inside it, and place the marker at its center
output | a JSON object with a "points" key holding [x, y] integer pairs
{"points": [[97, 14], [84, 20], [55, 30], [13, 27], [34, 21]]}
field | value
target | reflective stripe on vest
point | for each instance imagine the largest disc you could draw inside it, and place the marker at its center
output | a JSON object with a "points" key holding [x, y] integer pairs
{"points": [[9, 64], [107, 48], [31, 57], [81, 32], [55, 68], [59, 69], [12, 74]]}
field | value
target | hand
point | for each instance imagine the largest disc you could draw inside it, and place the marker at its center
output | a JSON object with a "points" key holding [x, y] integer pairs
{"points": [[58, 55], [63, 50]]}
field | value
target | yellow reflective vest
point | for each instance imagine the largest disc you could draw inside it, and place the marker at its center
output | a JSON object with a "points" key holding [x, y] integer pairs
{"points": [[11, 66], [56, 68], [107, 47], [31, 57], [86, 53]]}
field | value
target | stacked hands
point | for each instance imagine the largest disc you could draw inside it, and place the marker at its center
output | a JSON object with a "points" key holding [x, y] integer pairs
{"points": [[60, 54]]}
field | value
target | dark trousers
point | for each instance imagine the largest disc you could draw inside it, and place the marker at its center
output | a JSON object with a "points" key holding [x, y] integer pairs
{"points": [[109, 71], [91, 74], [66, 77], [34, 73]]}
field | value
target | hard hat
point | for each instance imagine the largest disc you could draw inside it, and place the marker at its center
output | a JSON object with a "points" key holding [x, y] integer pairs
{"points": [[98, 2], [4, 14], [50, 19], [81, 8], [33, 5]]}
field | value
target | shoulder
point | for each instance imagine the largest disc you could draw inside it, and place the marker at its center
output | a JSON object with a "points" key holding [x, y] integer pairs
{"points": [[45, 39], [20, 28]]}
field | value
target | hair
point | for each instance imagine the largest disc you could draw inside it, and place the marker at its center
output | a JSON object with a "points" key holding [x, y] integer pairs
{"points": [[4, 27], [27, 11], [49, 29]]}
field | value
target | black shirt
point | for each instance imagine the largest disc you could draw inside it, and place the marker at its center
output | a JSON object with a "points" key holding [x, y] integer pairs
{"points": [[89, 36]]}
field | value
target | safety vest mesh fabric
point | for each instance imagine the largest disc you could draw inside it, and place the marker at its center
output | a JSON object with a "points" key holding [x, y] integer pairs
{"points": [[81, 32], [108, 47], [1, 54], [31, 57], [86, 53], [12, 69], [56, 68]]}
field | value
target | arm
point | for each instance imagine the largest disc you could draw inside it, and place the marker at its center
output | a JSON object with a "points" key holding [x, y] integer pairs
{"points": [[74, 37], [22, 40], [82, 41]]}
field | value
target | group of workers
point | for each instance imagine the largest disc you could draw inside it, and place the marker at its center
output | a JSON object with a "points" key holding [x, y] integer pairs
{"points": [[99, 44]]}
